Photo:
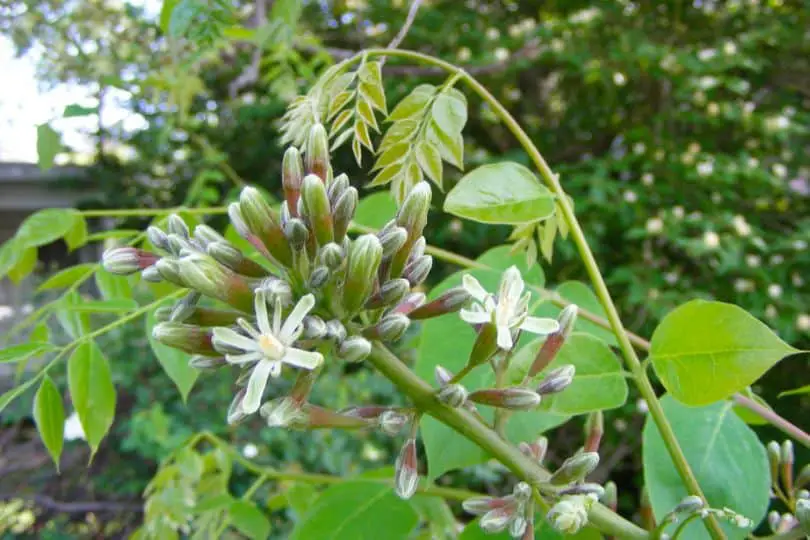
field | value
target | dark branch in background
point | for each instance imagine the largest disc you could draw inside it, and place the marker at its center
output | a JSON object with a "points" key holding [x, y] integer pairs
{"points": [[51, 504], [406, 26], [251, 73]]}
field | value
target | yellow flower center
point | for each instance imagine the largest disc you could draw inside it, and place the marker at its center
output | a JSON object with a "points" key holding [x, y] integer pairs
{"points": [[272, 348]]}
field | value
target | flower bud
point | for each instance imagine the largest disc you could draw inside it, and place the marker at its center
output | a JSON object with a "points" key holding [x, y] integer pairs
{"points": [[292, 176], [803, 515], [336, 188], [584, 489], [319, 418], [336, 331], [448, 302], [370, 412], [410, 302], [774, 520], [528, 534], [390, 293], [442, 375], [186, 337], [296, 233], [262, 223], [206, 362], [277, 289], [689, 505], [610, 497], [536, 450], [452, 395], [282, 412], [406, 476], [392, 240], [178, 245], [316, 208], [570, 514], [206, 235], [205, 275], [594, 429], [514, 398], [127, 260], [575, 468], [168, 269], [365, 255], [177, 226], [774, 459], [183, 309], [391, 422], [414, 211], [235, 412], [331, 255], [787, 459], [314, 327], [417, 271], [164, 313], [522, 492], [157, 237], [554, 342], [151, 274], [317, 152], [498, 519], [557, 380], [390, 328], [318, 278], [485, 345], [786, 452], [226, 254], [354, 349], [518, 526], [417, 250], [481, 505], [343, 212]]}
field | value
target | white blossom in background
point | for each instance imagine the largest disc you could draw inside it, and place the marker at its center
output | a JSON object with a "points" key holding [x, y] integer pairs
{"points": [[630, 196], [743, 285], [779, 170], [619, 79], [655, 225], [647, 179], [770, 312], [73, 428], [501, 54], [6, 312], [803, 322], [250, 450], [774, 290], [711, 240], [678, 212], [269, 347], [729, 48], [705, 168], [754, 261], [464, 54], [707, 54], [741, 225], [508, 311]]}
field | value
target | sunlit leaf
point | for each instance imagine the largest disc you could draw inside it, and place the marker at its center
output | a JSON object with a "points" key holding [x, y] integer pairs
{"points": [[68, 276], [49, 416], [173, 361], [249, 520], [49, 144], [92, 391]]}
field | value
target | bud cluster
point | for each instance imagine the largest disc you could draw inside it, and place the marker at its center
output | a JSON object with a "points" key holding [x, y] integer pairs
{"points": [[514, 512]]}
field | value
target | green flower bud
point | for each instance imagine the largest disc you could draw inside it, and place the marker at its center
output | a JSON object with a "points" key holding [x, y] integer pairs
{"points": [[557, 380], [410, 302], [335, 331], [157, 237], [343, 213], [207, 362], [391, 422], [390, 293], [183, 309], [337, 187], [774, 521], [206, 235], [365, 255], [331, 256], [292, 176], [152, 275], [317, 152], [169, 269], [449, 302], [406, 476], [575, 468], [417, 271], [186, 337], [518, 526], [803, 478], [513, 398], [235, 412], [205, 275], [317, 210], [390, 328], [354, 349], [296, 233], [803, 515], [127, 260], [392, 240], [452, 395], [414, 211], [314, 327], [263, 225], [178, 244], [417, 250], [610, 497], [774, 459], [318, 278], [226, 254], [554, 342], [177, 226]]}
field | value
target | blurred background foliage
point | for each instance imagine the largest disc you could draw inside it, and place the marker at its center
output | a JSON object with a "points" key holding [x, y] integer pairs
{"points": [[679, 128]]}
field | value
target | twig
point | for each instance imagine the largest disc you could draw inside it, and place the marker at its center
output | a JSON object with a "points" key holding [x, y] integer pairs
{"points": [[49, 503], [250, 75], [406, 25], [772, 418]]}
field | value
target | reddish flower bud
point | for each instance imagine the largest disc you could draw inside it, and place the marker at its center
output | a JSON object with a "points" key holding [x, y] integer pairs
{"points": [[449, 302], [226, 254], [343, 212], [186, 337], [317, 152], [514, 398], [417, 271], [391, 292], [390, 328], [319, 418], [391, 422], [535, 450], [406, 476], [410, 302], [557, 380], [554, 342], [292, 175], [127, 260], [262, 223]]}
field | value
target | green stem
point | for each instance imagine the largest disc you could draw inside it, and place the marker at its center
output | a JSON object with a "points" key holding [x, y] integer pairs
{"points": [[552, 181], [134, 212], [683, 525], [470, 427]]}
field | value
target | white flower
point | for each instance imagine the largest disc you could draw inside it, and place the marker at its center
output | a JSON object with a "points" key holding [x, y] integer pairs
{"points": [[753, 260], [678, 212], [711, 239], [250, 450], [779, 170], [774, 290], [269, 347], [707, 54], [570, 514], [501, 54], [705, 168], [508, 312], [73, 428], [803, 322], [741, 225], [647, 179], [619, 79], [729, 48], [655, 225], [630, 196]]}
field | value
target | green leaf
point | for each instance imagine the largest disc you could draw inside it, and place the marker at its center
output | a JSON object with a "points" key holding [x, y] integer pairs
{"points": [[747, 415], [76, 237], [49, 415], [414, 103], [75, 323], [796, 391], [500, 193], [25, 265], [166, 14], [599, 382], [181, 17], [449, 111], [74, 109], [48, 145], [92, 391], [300, 497], [357, 510], [376, 210], [249, 520], [11, 395], [68, 276], [583, 296], [438, 516], [113, 287], [117, 305], [9, 252], [728, 460], [429, 158], [173, 361], [46, 226], [23, 351], [451, 147], [706, 351], [447, 450]]}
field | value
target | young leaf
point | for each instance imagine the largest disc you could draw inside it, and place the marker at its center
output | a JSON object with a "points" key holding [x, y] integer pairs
{"points": [[46, 226], [726, 456], [68, 276], [76, 236], [706, 351], [338, 102], [49, 416], [375, 94], [402, 131], [75, 323], [11, 395], [9, 252], [414, 103], [387, 174], [48, 145], [429, 158], [249, 520], [340, 121], [174, 362], [357, 510], [25, 265], [361, 134], [500, 193], [451, 147], [449, 111], [365, 112], [23, 351], [92, 391], [393, 154]]}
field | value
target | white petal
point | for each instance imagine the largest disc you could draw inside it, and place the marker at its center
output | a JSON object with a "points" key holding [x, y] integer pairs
{"points": [[302, 359], [277, 316], [234, 339], [541, 326], [504, 337], [243, 358], [472, 286], [275, 369], [248, 328], [255, 387], [474, 317], [262, 317], [295, 318], [511, 283]]}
